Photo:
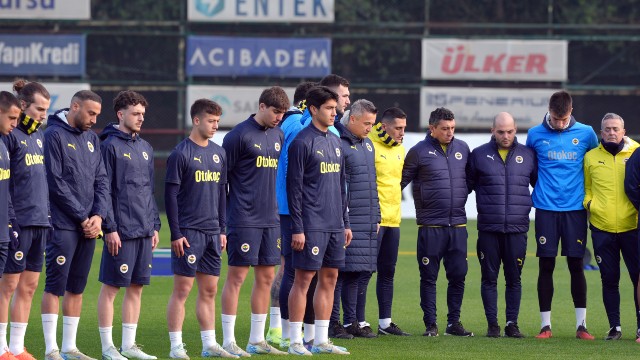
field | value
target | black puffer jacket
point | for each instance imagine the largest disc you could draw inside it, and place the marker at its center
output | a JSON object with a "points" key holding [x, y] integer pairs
{"points": [[363, 203]]}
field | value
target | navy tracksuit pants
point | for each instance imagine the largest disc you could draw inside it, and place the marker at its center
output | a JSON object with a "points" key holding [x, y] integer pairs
{"points": [[510, 250], [607, 248], [436, 244]]}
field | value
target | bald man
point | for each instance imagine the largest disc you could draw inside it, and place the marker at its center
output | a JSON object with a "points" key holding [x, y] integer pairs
{"points": [[501, 171]]}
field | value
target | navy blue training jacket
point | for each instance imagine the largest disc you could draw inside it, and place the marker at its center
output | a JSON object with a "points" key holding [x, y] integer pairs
{"points": [[439, 181], [315, 183], [502, 191], [362, 201], [252, 164], [5, 197], [77, 179], [29, 192], [128, 161]]}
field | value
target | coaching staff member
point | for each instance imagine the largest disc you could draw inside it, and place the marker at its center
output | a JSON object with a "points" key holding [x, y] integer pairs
{"points": [[501, 171], [437, 166]]}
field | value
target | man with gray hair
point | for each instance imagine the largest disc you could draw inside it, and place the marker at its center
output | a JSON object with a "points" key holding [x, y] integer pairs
{"points": [[613, 220], [364, 214]]}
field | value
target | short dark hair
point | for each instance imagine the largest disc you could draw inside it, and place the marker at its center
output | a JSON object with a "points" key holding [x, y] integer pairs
{"points": [[275, 96], [301, 91], [440, 114], [333, 81], [205, 106], [8, 100], [84, 95], [391, 114], [128, 98], [560, 103], [26, 91], [319, 95]]}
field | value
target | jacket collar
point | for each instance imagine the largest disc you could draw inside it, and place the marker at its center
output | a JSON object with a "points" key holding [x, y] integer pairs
{"points": [[346, 134]]}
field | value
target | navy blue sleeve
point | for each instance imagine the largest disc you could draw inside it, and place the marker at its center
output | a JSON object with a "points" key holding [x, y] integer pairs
{"points": [[59, 191], [109, 224], [156, 213], [102, 190], [410, 168], [343, 192], [632, 179], [171, 205], [472, 171], [222, 199], [295, 178], [11, 212], [533, 178], [233, 148], [175, 170]]}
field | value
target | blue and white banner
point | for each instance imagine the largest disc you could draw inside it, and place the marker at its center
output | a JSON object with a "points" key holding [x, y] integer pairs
{"points": [[237, 102], [56, 55], [277, 57], [475, 108], [45, 9], [281, 11], [61, 93]]}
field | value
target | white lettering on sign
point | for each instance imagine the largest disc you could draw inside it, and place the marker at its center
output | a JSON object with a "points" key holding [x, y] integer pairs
{"points": [[244, 57], [39, 54], [527, 60]]}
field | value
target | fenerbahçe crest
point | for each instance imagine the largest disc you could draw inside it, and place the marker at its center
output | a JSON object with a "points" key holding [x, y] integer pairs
{"points": [[61, 260], [277, 146], [542, 240], [458, 156], [124, 268], [19, 255], [191, 259], [315, 250], [145, 155], [216, 158], [425, 261], [245, 247], [519, 159], [90, 146]]}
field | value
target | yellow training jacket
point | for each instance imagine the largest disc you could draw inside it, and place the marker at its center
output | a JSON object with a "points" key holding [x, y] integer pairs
{"points": [[610, 208], [389, 162]]}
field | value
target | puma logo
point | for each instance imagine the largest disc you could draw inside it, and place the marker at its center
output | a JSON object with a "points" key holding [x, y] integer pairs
{"points": [[259, 146], [601, 162], [579, 241], [491, 157], [320, 152], [198, 159], [23, 142], [71, 146], [433, 153], [546, 142], [127, 155], [383, 156]]}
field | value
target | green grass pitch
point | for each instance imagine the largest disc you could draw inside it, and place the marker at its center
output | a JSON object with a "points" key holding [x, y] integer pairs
{"points": [[152, 328]]}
